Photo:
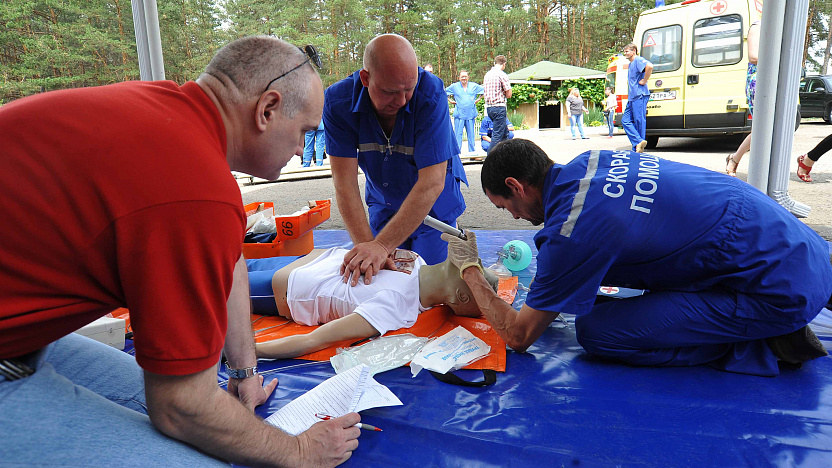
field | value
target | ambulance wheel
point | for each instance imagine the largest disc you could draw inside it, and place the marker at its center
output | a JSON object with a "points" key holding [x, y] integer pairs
{"points": [[652, 142], [520, 259]]}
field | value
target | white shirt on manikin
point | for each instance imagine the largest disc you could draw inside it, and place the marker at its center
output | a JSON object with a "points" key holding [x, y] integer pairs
{"points": [[317, 294]]}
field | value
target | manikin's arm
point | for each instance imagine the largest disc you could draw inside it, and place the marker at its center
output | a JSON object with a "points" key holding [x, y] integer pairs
{"points": [[350, 327], [369, 258], [518, 329], [195, 410], [239, 342]]}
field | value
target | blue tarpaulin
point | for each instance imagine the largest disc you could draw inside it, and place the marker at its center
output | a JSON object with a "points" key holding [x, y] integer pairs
{"points": [[557, 406]]}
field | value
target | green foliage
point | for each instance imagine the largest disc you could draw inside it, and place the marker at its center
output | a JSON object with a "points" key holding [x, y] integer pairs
{"points": [[595, 117], [54, 44], [515, 119], [525, 93], [591, 90]]}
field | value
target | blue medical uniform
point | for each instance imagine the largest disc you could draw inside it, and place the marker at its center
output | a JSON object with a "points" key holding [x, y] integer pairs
{"points": [[465, 113], [487, 128], [634, 120], [314, 143], [421, 137], [724, 265]]}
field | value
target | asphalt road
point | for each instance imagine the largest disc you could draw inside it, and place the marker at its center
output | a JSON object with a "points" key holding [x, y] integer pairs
{"points": [[293, 190]]}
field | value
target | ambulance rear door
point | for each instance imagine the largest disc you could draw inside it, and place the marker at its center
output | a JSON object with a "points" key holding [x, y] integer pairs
{"points": [[661, 43], [715, 75]]}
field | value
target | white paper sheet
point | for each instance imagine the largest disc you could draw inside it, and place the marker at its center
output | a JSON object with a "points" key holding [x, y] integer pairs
{"points": [[332, 397]]}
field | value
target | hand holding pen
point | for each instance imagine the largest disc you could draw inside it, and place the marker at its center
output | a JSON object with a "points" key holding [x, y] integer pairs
{"points": [[366, 427]]}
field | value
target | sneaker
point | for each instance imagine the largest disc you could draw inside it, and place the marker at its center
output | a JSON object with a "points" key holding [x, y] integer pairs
{"points": [[584, 138], [798, 346], [640, 146]]}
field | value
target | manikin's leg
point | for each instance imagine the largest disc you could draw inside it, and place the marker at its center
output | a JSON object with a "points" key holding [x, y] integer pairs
{"points": [[681, 329]]}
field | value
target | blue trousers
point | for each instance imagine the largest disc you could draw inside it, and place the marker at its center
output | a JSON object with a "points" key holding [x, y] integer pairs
{"points": [[577, 121], [499, 133], [314, 140], [634, 120], [673, 328], [468, 125], [610, 121], [85, 406]]}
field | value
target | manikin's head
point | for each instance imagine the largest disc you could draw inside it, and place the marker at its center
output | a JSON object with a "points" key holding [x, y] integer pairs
{"points": [[442, 284]]}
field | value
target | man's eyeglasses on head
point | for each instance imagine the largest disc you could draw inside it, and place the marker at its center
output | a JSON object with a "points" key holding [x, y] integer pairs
{"points": [[311, 56]]}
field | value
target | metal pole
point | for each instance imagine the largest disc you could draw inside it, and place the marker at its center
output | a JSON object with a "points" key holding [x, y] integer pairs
{"points": [[766, 93], [787, 98], [148, 40]]}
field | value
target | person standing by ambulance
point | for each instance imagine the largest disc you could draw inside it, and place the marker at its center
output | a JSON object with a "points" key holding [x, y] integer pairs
{"points": [[634, 120]]}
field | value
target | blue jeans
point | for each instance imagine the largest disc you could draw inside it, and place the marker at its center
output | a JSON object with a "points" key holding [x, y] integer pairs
{"points": [[313, 138], [634, 120], [468, 125], [497, 114], [577, 121], [85, 405], [611, 121]]}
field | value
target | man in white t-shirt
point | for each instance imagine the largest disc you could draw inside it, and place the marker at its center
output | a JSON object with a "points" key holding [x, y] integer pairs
{"points": [[312, 291]]}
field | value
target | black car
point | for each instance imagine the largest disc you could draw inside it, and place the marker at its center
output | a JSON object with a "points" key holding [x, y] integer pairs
{"points": [[816, 97]]}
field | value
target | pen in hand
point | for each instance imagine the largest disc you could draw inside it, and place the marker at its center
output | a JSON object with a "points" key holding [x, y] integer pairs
{"points": [[366, 427]]}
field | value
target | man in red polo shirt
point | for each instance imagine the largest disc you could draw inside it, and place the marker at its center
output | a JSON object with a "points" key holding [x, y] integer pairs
{"points": [[122, 196]]}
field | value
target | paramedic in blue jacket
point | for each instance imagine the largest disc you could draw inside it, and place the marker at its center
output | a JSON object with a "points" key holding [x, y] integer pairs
{"points": [[464, 95], [634, 120], [731, 277], [391, 119]]}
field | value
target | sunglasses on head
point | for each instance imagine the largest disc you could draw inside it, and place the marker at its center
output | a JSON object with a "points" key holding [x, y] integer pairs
{"points": [[311, 56]]}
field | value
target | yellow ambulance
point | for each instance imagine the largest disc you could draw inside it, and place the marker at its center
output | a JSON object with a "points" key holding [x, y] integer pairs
{"points": [[700, 62]]}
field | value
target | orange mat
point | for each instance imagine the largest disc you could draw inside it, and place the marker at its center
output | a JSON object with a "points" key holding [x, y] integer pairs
{"points": [[433, 322]]}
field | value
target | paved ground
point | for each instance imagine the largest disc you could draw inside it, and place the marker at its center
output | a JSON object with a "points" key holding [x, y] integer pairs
{"points": [[296, 185]]}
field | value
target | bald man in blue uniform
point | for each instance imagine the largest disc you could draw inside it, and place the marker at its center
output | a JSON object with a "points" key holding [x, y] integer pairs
{"points": [[391, 119], [731, 277]]}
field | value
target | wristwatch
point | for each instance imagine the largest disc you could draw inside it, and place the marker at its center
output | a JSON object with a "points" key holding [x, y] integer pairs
{"points": [[241, 373]]}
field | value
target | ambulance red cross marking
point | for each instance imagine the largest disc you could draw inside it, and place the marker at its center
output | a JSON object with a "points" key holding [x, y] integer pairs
{"points": [[718, 6], [609, 289]]}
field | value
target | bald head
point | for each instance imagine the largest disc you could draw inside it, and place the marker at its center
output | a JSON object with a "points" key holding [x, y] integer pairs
{"points": [[390, 51], [246, 65]]}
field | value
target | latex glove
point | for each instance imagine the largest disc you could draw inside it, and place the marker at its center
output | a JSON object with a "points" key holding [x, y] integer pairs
{"points": [[463, 253]]}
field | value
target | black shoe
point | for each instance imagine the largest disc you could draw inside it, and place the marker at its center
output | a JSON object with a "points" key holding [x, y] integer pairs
{"points": [[798, 346]]}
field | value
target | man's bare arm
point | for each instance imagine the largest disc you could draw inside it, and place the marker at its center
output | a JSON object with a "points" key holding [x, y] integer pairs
{"points": [[239, 342], [367, 258], [348, 197], [518, 329], [194, 409]]}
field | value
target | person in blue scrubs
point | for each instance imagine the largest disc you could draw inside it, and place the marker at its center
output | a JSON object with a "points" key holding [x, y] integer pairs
{"points": [[391, 119], [487, 128], [314, 143], [634, 120], [731, 277], [464, 95]]}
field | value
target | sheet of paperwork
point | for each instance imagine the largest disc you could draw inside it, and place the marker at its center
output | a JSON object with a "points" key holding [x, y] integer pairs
{"points": [[351, 391]]}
